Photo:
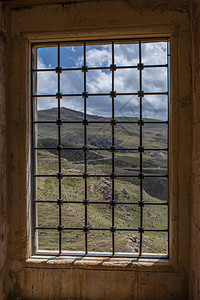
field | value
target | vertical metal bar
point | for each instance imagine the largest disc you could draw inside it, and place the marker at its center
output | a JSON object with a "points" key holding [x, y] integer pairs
{"points": [[34, 191], [85, 154], [113, 154], [59, 157], [168, 116], [141, 182]]}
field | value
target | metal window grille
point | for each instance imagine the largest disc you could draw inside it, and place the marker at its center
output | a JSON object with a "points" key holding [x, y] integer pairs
{"points": [[60, 228]]}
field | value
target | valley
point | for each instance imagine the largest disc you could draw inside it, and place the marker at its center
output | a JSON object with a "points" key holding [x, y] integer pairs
{"points": [[127, 190]]}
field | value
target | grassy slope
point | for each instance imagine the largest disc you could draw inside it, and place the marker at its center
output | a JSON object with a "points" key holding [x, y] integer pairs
{"points": [[126, 135], [126, 216]]}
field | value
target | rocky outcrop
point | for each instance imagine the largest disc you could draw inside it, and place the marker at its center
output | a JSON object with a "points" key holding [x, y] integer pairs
{"points": [[105, 189]]}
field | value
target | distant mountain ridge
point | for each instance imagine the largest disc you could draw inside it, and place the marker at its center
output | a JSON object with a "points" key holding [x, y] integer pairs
{"points": [[100, 134], [68, 114]]}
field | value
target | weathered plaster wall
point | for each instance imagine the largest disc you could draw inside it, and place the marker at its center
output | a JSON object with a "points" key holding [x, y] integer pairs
{"points": [[3, 221], [83, 283], [195, 219], [76, 279]]}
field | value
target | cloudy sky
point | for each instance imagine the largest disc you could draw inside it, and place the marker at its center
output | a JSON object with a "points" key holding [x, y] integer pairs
{"points": [[100, 81]]}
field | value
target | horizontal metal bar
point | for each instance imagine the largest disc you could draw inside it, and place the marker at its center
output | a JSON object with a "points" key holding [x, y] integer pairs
{"points": [[64, 95], [103, 175], [100, 149], [101, 122], [155, 93], [156, 230], [149, 230], [129, 149], [155, 66], [45, 228], [100, 229], [126, 122], [144, 66], [46, 201], [44, 70], [54, 175], [103, 202], [54, 70], [155, 149], [148, 176], [55, 148], [69, 175], [56, 228], [46, 148], [101, 68], [54, 122], [99, 95], [156, 122], [73, 69], [156, 203]]}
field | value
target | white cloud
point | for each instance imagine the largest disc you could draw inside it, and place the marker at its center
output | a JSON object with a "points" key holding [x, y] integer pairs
{"points": [[46, 81], [126, 55], [154, 53], [72, 49], [100, 81], [98, 57]]}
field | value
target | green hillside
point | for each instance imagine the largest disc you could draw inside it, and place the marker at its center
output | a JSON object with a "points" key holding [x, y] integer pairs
{"points": [[99, 162], [126, 135]]}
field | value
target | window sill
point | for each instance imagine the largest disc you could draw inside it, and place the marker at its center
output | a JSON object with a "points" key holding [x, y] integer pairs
{"points": [[108, 263]]}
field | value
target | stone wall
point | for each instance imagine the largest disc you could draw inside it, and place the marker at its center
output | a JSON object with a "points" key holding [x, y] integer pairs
{"points": [[195, 219], [3, 225], [47, 278]]}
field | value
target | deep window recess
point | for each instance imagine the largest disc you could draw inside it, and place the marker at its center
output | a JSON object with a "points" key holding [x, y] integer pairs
{"points": [[100, 147]]}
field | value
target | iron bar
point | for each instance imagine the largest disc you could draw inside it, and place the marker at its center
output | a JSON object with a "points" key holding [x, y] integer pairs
{"points": [[141, 145], [113, 204], [103, 202], [102, 175], [34, 159], [101, 149], [59, 158], [101, 229], [99, 95], [100, 68], [99, 122], [85, 153]]}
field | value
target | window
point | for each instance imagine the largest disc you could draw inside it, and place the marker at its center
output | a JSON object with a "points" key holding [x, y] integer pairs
{"points": [[100, 144]]}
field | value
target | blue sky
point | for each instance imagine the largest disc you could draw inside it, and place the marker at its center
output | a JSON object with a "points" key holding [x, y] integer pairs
{"points": [[99, 81]]}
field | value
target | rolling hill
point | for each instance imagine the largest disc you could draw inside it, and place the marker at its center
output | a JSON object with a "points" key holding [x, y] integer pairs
{"points": [[99, 189]]}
